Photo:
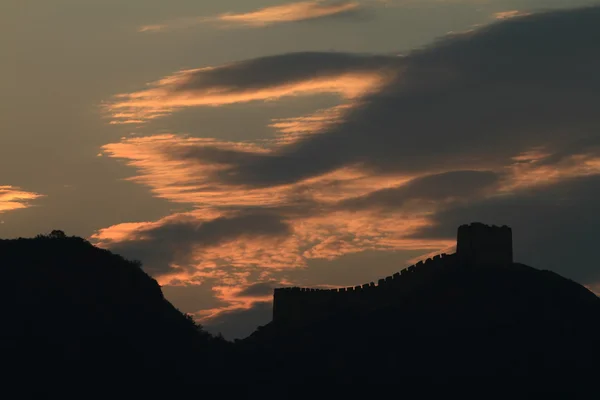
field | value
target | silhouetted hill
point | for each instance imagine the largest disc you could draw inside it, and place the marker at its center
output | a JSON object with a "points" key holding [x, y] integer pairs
{"points": [[466, 320], [67, 304]]}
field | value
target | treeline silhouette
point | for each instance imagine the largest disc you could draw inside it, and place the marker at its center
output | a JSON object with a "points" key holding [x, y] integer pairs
{"points": [[66, 304]]}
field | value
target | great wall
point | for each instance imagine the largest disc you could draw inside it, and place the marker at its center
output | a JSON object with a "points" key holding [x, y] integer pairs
{"points": [[478, 245]]}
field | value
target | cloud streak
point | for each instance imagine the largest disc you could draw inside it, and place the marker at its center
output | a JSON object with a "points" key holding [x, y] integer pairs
{"points": [[291, 12], [350, 76], [181, 240], [279, 14], [509, 14], [317, 227], [14, 198], [433, 188]]}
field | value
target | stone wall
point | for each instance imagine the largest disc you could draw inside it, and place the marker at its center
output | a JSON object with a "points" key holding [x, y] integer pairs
{"points": [[477, 245], [295, 303]]}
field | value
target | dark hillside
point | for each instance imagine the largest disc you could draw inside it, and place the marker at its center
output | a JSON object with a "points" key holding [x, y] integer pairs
{"points": [[66, 303], [463, 321]]}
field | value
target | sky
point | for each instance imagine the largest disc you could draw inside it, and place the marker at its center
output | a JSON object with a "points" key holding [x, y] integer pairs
{"points": [[236, 146]]}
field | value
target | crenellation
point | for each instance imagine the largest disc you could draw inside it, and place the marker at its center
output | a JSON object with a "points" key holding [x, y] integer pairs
{"points": [[477, 245]]}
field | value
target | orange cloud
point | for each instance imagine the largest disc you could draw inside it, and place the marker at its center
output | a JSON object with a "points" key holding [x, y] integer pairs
{"points": [[231, 295], [262, 79], [153, 28], [344, 232], [316, 228], [176, 92], [13, 198], [188, 180], [531, 169], [291, 12], [194, 180], [290, 130], [229, 265], [313, 237], [509, 14]]}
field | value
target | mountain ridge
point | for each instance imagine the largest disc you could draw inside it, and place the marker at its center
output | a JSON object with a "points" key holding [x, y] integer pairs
{"points": [[67, 303]]}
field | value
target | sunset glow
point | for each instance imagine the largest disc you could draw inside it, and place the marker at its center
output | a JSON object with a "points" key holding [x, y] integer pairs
{"points": [[236, 147]]}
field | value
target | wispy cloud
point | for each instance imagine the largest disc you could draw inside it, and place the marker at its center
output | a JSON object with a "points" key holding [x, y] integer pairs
{"points": [[312, 223], [14, 198], [153, 28], [262, 79], [291, 130], [291, 12], [509, 14], [284, 13], [420, 144]]}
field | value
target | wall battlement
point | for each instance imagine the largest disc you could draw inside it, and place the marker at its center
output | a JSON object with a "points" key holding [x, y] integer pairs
{"points": [[477, 245]]}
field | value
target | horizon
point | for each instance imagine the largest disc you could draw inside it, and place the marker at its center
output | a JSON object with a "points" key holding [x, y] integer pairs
{"points": [[236, 147]]}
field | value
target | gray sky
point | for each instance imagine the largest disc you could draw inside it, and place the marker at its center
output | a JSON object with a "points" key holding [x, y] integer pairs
{"points": [[230, 144]]}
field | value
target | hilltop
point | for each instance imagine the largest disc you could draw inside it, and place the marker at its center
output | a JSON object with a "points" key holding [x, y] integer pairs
{"points": [[65, 303]]}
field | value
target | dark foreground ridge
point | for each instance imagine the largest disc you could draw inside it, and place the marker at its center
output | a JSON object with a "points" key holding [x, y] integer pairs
{"points": [[66, 304]]}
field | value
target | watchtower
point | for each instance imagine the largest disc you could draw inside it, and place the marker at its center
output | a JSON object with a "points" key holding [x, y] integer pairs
{"points": [[480, 244]]}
